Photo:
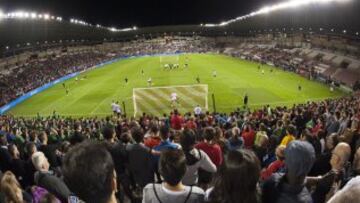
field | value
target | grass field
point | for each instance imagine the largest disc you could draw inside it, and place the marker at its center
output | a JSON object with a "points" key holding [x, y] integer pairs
{"points": [[235, 77]]}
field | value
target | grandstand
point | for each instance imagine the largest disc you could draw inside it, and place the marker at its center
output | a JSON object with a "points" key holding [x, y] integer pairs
{"points": [[263, 107]]}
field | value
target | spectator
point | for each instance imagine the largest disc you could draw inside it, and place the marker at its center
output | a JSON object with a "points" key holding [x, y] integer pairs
{"points": [[90, 173], [45, 178], [237, 179], [176, 120], [172, 167], [275, 166], [139, 156], [212, 149], [248, 135], [235, 141], [260, 134], [289, 187], [5, 157], [195, 159], [11, 189], [349, 194], [322, 163], [332, 181], [290, 135], [18, 165]]}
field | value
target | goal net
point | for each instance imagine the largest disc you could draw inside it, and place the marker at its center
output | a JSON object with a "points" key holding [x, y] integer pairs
{"points": [[157, 100], [167, 60]]}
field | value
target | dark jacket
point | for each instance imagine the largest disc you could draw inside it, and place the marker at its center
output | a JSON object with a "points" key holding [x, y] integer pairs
{"points": [[276, 190], [53, 184], [140, 164]]}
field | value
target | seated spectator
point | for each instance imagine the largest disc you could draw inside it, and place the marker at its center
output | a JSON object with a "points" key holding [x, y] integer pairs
{"points": [[195, 159], [90, 173], [329, 183], [11, 189], [45, 178], [275, 166], [172, 167], [290, 187], [237, 179]]}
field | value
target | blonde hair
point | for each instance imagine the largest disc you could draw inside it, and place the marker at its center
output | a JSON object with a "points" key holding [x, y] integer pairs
{"points": [[11, 188], [38, 159]]}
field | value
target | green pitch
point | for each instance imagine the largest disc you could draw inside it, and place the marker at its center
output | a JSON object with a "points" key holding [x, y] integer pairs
{"points": [[235, 78]]}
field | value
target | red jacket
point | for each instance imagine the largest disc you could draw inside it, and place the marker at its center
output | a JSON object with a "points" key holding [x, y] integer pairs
{"points": [[176, 122], [272, 168], [213, 151], [249, 138]]}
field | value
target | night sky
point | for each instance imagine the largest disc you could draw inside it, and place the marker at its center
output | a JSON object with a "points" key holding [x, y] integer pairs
{"points": [[125, 13]]}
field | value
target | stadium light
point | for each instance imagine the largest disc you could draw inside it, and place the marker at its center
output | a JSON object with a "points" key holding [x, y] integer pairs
{"points": [[2, 15], [46, 16], [281, 6], [33, 15]]}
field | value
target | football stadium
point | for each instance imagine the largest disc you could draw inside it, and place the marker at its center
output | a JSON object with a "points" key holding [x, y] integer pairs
{"points": [[154, 102]]}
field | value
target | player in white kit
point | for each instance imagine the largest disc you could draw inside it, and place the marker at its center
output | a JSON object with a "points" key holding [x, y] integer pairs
{"points": [[174, 99]]}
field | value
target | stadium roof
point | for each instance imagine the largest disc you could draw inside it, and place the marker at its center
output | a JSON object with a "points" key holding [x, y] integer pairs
{"points": [[341, 18]]}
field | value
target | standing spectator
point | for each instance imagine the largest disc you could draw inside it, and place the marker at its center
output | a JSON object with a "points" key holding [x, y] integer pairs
{"points": [[332, 181], [212, 149], [89, 172], [176, 120], [276, 165], [18, 165], [290, 135], [260, 134], [195, 158], [5, 157], [289, 187], [139, 156], [237, 179], [172, 167], [248, 135]]}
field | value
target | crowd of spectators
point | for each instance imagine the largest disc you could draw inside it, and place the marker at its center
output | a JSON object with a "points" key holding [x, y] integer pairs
{"points": [[305, 153], [37, 71]]}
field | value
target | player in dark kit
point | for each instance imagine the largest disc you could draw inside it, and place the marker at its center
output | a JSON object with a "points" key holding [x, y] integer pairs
{"points": [[64, 86], [299, 87], [126, 80], [246, 100], [197, 79]]}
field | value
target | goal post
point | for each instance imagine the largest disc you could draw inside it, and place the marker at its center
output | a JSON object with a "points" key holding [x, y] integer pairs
{"points": [[157, 100]]}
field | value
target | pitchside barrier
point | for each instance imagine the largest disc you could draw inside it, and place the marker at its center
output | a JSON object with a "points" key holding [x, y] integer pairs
{"points": [[157, 100], [33, 92]]}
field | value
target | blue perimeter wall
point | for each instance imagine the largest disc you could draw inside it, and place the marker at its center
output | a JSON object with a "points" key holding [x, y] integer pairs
{"points": [[33, 92]]}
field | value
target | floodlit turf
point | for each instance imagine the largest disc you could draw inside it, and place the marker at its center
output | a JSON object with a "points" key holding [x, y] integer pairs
{"points": [[235, 77]]}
